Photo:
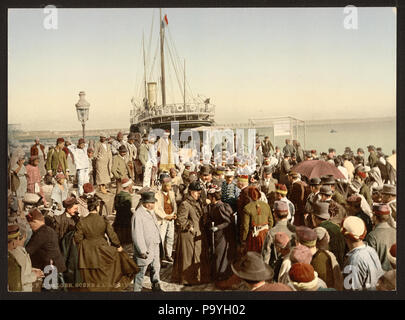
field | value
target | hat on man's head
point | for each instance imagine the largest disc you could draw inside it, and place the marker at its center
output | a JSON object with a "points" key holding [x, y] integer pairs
{"points": [[315, 181], [148, 197], [205, 170], [88, 188], [220, 170], [371, 147], [35, 214], [251, 267], [294, 174], [195, 186], [103, 135], [122, 149], [243, 178], [306, 236], [60, 140], [281, 189], [268, 170], [328, 180], [125, 182], [360, 150], [381, 209], [354, 228], [281, 239], [280, 207], [69, 202], [321, 210], [321, 233], [187, 164], [131, 136], [389, 189], [81, 140], [326, 189], [354, 200], [13, 231], [302, 272], [301, 254], [119, 134], [229, 173]]}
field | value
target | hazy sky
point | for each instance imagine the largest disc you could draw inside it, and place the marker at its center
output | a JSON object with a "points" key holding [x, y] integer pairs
{"points": [[251, 63]]}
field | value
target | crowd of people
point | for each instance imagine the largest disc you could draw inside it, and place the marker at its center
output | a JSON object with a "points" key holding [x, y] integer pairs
{"points": [[222, 220]]}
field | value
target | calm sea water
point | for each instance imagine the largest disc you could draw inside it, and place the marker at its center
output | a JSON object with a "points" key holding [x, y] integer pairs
{"points": [[318, 136]]}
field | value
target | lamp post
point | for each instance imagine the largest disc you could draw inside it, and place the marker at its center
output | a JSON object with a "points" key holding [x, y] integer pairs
{"points": [[82, 109]]}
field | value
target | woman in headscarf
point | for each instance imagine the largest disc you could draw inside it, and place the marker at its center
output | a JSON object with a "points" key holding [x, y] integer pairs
{"points": [[60, 193], [222, 225], [34, 178]]}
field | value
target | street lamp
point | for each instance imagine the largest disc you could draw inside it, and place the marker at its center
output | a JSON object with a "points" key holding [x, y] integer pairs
{"points": [[82, 109]]}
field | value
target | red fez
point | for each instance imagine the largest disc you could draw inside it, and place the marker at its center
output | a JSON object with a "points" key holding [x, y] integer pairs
{"points": [[60, 140], [354, 199], [362, 174], [88, 188], [306, 236], [35, 214], [301, 272]]}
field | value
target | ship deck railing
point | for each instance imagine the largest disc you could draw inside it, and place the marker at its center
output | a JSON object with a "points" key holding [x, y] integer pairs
{"points": [[202, 111]]}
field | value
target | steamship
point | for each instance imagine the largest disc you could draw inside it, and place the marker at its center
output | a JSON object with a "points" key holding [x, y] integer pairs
{"points": [[147, 113]]}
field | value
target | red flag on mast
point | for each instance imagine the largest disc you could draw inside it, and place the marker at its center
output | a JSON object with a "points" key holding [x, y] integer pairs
{"points": [[165, 19]]}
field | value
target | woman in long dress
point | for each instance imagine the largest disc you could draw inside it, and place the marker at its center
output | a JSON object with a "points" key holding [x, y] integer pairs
{"points": [[60, 193], [103, 267], [34, 178]]}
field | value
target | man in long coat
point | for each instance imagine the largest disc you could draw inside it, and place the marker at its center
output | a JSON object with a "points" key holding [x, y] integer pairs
{"points": [[166, 152], [191, 263], [383, 236], [120, 168], [267, 146], [103, 156], [146, 238], [56, 160], [298, 197]]}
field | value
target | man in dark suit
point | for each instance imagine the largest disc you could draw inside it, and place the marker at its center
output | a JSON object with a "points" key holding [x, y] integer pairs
{"points": [[43, 246], [267, 146], [298, 197]]}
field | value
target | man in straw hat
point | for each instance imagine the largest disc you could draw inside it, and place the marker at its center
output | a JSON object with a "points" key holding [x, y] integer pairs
{"points": [[255, 272], [146, 238], [362, 267], [103, 156], [383, 236]]}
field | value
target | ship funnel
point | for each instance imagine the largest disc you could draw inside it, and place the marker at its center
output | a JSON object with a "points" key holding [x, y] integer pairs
{"points": [[152, 93]]}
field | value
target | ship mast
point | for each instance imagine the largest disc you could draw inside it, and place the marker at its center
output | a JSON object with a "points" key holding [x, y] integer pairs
{"points": [[162, 60], [144, 66], [184, 95]]}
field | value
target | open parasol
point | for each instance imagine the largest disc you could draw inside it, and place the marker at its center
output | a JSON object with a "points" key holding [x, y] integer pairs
{"points": [[316, 169]]}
